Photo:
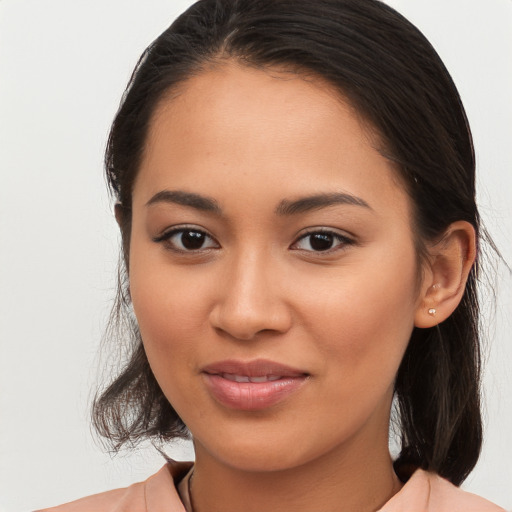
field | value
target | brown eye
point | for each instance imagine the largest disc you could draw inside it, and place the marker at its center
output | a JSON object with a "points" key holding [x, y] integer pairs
{"points": [[187, 240], [192, 240], [321, 241]]}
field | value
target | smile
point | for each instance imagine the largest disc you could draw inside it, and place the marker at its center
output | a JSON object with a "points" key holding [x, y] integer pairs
{"points": [[253, 385], [245, 378]]}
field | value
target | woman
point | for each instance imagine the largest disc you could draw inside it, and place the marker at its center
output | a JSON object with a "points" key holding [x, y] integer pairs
{"points": [[295, 193]]}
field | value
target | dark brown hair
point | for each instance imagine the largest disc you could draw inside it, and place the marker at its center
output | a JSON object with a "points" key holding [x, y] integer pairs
{"points": [[397, 82]]}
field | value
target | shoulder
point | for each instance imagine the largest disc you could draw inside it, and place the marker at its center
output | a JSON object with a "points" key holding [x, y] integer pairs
{"points": [[453, 498], [428, 492], [158, 492]]}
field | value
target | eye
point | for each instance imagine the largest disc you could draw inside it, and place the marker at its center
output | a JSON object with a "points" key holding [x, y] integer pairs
{"points": [[187, 240], [321, 241]]}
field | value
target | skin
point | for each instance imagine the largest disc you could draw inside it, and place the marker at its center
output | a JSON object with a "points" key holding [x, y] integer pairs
{"points": [[250, 139]]}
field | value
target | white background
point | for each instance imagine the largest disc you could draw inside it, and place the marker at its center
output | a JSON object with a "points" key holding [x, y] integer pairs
{"points": [[63, 67]]}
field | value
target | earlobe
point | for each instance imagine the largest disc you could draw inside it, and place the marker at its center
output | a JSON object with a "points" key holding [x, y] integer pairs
{"points": [[450, 261]]}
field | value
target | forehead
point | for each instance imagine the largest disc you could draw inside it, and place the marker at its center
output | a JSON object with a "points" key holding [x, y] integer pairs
{"points": [[250, 96], [239, 128]]}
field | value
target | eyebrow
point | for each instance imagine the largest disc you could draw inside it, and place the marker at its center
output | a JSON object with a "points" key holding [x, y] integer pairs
{"points": [[318, 201], [284, 208], [202, 203]]}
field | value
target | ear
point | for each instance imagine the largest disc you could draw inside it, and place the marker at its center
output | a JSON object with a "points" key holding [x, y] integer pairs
{"points": [[118, 212], [445, 274]]}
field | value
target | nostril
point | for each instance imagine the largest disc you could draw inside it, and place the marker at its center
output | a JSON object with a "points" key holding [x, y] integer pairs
{"points": [[238, 333]]}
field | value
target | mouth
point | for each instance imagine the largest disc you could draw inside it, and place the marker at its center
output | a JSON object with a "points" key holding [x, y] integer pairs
{"points": [[245, 378], [252, 385]]}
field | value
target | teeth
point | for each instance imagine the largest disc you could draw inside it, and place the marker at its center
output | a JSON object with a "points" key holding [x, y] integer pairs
{"points": [[258, 379], [236, 378], [245, 378]]}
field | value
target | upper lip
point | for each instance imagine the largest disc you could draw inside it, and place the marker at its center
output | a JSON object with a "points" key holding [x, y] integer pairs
{"points": [[254, 368]]}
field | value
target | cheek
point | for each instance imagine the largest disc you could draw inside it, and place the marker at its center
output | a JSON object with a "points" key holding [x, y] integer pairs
{"points": [[363, 319], [170, 312], [165, 316], [171, 307]]}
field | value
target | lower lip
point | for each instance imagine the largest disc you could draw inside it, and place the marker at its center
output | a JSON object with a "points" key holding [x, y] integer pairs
{"points": [[252, 396]]}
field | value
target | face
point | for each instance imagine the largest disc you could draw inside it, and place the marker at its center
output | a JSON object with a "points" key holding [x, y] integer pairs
{"points": [[272, 268]]}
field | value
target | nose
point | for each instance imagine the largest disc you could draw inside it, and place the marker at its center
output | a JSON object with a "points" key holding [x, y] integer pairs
{"points": [[251, 300]]}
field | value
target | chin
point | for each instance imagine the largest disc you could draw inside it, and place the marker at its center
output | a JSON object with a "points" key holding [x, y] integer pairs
{"points": [[251, 454], [267, 452]]}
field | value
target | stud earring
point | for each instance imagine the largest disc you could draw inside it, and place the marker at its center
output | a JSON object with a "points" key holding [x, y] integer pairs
{"points": [[432, 311]]}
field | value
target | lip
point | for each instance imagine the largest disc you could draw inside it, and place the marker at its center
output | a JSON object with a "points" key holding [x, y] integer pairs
{"points": [[252, 385]]}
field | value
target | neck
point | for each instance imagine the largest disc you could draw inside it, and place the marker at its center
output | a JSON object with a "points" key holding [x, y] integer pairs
{"points": [[345, 479]]}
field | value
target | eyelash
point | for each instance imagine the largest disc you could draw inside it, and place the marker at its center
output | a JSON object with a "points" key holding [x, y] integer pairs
{"points": [[343, 241], [166, 237]]}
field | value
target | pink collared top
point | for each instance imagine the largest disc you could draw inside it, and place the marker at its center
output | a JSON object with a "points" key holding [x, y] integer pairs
{"points": [[167, 491]]}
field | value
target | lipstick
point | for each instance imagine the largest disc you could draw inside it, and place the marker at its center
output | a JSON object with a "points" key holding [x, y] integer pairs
{"points": [[252, 385]]}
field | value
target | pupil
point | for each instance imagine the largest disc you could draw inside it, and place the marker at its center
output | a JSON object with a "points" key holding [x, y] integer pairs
{"points": [[321, 241], [192, 239]]}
